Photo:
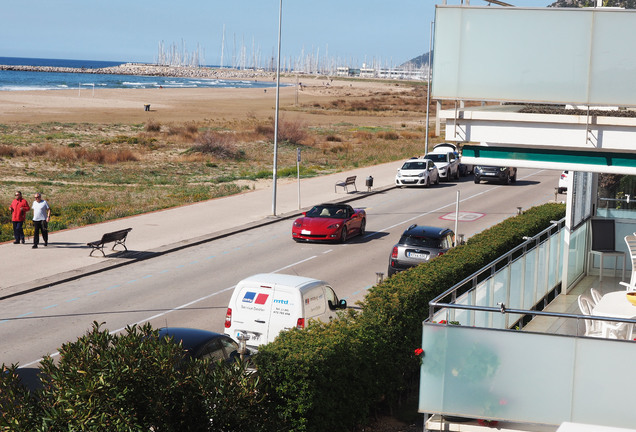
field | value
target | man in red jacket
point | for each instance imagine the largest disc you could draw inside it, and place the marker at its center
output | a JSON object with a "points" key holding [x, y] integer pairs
{"points": [[19, 208]]}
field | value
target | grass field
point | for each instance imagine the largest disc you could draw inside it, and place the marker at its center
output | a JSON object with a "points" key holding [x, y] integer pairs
{"points": [[91, 172]]}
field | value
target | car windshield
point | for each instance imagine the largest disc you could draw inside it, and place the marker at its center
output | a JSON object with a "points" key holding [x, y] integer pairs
{"points": [[436, 157], [414, 165], [327, 212], [420, 241]]}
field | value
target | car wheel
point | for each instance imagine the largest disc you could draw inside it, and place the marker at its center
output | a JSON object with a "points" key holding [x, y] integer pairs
{"points": [[457, 174], [343, 234], [437, 179], [476, 180], [390, 272], [560, 190], [506, 179], [513, 179], [363, 226], [428, 182]]}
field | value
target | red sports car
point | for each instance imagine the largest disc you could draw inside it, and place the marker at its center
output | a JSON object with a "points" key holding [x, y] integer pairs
{"points": [[329, 222]]}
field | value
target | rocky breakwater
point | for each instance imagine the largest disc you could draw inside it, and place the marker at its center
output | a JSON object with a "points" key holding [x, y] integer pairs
{"points": [[152, 70]]}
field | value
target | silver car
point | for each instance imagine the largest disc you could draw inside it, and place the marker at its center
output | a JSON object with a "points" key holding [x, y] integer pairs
{"points": [[418, 245], [417, 172]]}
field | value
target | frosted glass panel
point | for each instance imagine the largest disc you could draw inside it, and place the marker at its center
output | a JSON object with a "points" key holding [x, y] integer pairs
{"points": [[510, 54], [526, 377], [530, 279], [577, 253]]}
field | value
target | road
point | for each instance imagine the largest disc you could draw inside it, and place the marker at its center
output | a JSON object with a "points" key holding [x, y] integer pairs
{"points": [[192, 287]]}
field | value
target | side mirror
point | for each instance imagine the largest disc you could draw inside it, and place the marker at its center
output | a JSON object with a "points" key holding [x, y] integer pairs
{"points": [[342, 304]]}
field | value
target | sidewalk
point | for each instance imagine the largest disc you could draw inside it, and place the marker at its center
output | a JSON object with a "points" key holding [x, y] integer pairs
{"points": [[24, 269]]}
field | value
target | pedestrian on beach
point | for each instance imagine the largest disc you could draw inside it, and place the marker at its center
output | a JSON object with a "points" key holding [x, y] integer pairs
{"points": [[19, 208], [41, 218]]}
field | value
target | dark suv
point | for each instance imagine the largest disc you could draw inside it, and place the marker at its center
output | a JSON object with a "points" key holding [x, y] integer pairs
{"points": [[503, 175], [418, 245]]}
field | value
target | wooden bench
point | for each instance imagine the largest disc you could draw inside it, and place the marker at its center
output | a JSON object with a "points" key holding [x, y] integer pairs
{"points": [[117, 237], [350, 181]]}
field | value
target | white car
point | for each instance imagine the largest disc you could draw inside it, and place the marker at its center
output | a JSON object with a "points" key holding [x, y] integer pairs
{"points": [[446, 162], [417, 172], [563, 182]]}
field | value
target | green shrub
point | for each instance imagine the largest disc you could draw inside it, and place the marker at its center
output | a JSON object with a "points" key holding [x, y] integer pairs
{"points": [[134, 382]]}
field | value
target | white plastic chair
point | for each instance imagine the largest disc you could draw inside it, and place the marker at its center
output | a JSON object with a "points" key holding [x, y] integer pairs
{"points": [[592, 327], [605, 329], [630, 240], [596, 296]]}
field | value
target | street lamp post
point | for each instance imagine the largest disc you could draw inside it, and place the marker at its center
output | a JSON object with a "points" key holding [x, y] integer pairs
{"points": [[275, 167]]}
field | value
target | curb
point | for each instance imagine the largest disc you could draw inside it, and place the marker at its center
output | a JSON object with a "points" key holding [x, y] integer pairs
{"points": [[124, 258]]}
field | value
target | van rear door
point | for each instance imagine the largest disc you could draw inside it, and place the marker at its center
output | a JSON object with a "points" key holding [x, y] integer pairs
{"points": [[285, 311], [252, 315]]}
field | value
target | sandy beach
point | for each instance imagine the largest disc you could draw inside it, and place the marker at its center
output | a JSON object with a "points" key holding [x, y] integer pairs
{"points": [[187, 104]]}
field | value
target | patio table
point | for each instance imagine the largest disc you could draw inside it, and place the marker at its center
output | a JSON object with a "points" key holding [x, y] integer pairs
{"points": [[615, 305]]}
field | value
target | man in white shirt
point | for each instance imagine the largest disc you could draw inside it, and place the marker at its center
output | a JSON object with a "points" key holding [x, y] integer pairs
{"points": [[41, 217]]}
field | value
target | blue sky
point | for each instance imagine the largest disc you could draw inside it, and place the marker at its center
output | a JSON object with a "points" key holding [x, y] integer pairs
{"points": [[352, 31]]}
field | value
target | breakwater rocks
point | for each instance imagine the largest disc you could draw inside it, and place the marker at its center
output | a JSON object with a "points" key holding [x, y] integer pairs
{"points": [[152, 70]]}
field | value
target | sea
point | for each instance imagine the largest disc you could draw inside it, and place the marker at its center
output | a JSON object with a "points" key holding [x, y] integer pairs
{"points": [[29, 80]]}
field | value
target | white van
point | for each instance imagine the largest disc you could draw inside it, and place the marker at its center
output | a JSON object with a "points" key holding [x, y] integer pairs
{"points": [[265, 304]]}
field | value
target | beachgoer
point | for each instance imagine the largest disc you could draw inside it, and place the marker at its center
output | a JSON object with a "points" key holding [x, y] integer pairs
{"points": [[19, 208], [41, 218]]}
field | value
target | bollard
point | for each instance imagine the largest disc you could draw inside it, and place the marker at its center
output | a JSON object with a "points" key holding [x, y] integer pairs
{"points": [[379, 277], [369, 183]]}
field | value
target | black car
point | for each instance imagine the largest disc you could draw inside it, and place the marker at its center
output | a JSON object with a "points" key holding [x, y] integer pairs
{"points": [[203, 344], [503, 175], [419, 244]]}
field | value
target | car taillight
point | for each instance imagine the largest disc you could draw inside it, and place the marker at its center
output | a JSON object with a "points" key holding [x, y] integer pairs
{"points": [[300, 324], [394, 253], [228, 318], [563, 176], [440, 254]]}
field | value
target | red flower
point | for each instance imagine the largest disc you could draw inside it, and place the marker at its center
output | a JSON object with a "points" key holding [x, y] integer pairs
{"points": [[419, 351]]}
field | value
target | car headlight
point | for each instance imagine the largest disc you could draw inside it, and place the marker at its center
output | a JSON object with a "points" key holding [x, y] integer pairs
{"points": [[421, 174], [502, 168], [334, 226], [298, 224], [399, 174], [477, 169]]}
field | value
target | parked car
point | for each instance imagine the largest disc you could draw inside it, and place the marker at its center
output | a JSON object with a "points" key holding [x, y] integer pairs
{"points": [[563, 182], [329, 222], [419, 244], [464, 169], [265, 304], [417, 172], [447, 163], [204, 344], [503, 175]]}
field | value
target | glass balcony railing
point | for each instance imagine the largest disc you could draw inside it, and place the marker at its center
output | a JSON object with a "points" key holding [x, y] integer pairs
{"points": [[526, 377]]}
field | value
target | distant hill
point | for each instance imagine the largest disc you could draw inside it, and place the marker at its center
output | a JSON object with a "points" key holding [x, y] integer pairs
{"points": [[422, 60], [417, 62]]}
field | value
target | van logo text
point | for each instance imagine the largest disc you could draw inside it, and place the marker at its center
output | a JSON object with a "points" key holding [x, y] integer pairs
{"points": [[280, 301], [252, 297]]}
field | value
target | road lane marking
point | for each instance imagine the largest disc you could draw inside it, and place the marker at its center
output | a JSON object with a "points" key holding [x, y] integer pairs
{"points": [[141, 321], [296, 263]]}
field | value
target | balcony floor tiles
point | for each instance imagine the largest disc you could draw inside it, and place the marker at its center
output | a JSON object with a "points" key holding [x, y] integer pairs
{"points": [[567, 303]]}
